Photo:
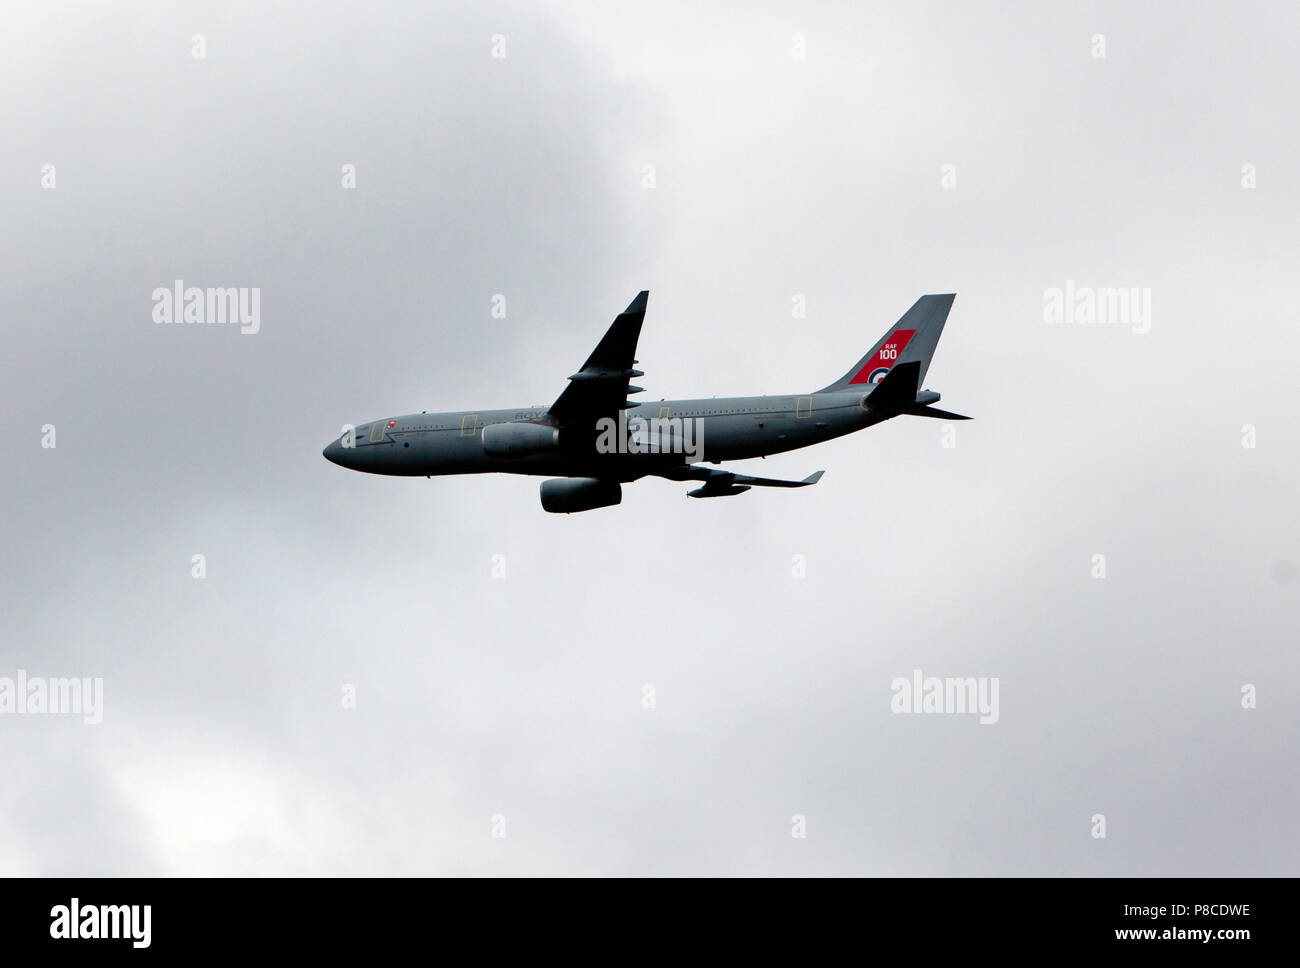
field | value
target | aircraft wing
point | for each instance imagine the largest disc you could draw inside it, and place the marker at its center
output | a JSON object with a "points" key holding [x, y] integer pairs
{"points": [[725, 483], [601, 387]]}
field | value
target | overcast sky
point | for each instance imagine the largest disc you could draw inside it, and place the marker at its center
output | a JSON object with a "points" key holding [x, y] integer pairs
{"points": [[798, 150]]}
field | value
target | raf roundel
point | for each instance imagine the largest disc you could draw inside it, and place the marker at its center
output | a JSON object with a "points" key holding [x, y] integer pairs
{"points": [[878, 374]]}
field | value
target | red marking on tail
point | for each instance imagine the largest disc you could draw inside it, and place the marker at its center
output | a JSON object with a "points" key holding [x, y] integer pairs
{"points": [[884, 358]]}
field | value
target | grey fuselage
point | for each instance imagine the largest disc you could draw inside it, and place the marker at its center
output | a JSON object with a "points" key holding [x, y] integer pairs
{"points": [[727, 428]]}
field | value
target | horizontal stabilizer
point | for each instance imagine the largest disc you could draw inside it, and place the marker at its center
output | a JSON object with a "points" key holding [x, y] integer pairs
{"points": [[897, 390], [936, 413]]}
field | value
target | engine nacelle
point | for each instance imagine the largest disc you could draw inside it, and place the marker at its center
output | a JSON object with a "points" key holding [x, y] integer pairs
{"points": [[565, 495], [519, 439]]}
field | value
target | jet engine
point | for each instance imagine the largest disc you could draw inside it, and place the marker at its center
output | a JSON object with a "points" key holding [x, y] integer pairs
{"points": [[565, 495], [519, 439]]}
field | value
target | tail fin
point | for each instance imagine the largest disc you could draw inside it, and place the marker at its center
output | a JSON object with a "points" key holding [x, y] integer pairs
{"points": [[910, 340]]}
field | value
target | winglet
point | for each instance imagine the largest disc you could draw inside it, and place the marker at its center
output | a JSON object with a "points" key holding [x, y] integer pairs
{"points": [[813, 478]]}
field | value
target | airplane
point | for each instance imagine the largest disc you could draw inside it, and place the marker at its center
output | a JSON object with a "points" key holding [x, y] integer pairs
{"points": [[593, 439]]}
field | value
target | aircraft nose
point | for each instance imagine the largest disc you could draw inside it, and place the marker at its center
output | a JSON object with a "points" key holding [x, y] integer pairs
{"points": [[333, 452]]}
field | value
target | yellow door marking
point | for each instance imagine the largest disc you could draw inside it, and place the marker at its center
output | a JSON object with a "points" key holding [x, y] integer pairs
{"points": [[802, 407], [377, 432], [469, 425], [663, 413]]}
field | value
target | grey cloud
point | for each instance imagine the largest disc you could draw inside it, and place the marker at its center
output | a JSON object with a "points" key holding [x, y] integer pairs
{"points": [[225, 745]]}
